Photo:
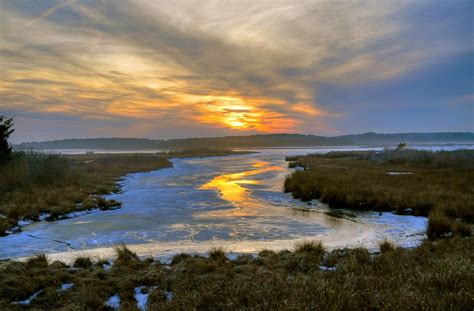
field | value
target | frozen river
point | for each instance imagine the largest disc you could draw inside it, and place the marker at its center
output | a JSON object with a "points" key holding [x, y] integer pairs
{"points": [[234, 201]]}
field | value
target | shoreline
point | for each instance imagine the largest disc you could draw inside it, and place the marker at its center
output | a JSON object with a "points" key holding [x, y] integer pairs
{"points": [[362, 236], [98, 202]]}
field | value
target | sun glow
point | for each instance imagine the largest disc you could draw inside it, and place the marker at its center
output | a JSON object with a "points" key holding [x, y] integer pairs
{"points": [[240, 113]]}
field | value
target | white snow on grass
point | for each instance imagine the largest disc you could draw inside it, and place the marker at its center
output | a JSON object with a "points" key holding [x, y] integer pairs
{"points": [[44, 216], [399, 173], [24, 222], [169, 295], [28, 300], [113, 302], [107, 266], [326, 268], [141, 298], [65, 287]]}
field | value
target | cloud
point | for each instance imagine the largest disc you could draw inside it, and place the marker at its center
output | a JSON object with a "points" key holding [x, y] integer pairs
{"points": [[251, 66]]}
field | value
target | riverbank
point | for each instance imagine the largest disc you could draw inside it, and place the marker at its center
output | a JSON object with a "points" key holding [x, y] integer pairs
{"points": [[436, 275], [437, 185], [37, 186]]}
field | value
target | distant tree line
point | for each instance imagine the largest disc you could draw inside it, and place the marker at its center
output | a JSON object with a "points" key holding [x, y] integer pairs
{"points": [[264, 140]]}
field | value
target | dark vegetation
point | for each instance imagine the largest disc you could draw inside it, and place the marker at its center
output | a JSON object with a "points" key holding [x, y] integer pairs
{"points": [[435, 184], [6, 129], [268, 140], [435, 276]]}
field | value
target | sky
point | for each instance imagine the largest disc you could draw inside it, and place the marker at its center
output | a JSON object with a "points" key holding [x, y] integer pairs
{"points": [[184, 68]]}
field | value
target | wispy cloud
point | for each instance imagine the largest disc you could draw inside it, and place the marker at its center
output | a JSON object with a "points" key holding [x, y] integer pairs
{"points": [[220, 66]]}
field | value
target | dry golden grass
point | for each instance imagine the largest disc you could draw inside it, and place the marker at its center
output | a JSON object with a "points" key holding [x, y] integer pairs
{"points": [[435, 188], [436, 276]]}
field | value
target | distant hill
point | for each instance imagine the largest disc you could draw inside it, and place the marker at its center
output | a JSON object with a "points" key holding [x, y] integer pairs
{"points": [[264, 140], [93, 143]]}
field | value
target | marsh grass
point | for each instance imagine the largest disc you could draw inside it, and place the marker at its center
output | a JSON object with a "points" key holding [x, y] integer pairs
{"points": [[33, 184], [82, 262], [386, 246], [437, 275], [440, 185], [36, 183]]}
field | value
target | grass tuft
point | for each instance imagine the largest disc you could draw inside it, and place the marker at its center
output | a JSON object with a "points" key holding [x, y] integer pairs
{"points": [[179, 258], [38, 261], [310, 247], [386, 246], [82, 262], [125, 256], [217, 253]]}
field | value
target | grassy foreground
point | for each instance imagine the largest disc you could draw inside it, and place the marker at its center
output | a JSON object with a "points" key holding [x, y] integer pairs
{"points": [[35, 185], [439, 185], [435, 276]]}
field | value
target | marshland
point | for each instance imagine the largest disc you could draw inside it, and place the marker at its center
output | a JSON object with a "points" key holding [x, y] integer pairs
{"points": [[220, 232]]}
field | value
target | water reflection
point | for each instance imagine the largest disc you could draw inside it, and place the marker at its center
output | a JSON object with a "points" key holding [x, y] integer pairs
{"points": [[230, 185]]}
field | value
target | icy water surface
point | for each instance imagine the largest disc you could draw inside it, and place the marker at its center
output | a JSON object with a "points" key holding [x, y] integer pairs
{"points": [[234, 201]]}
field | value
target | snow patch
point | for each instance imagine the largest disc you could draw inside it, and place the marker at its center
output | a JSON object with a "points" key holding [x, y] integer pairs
{"points": [[28, 300], [113, 302], [44, 216], [326, 268], [141, 298], [24, 222], [12, 230], [399, 173], [66, 287]]}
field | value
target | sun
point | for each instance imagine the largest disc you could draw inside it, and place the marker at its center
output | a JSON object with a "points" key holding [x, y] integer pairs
{"points": [[239, 113], [236, 120]]}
